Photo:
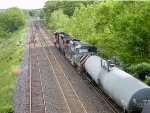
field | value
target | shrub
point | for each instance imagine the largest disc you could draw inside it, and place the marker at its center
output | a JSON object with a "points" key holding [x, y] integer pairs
{"points": [[3, 34], [7, 109], [140, 70], [11, 19], [147, 80]]}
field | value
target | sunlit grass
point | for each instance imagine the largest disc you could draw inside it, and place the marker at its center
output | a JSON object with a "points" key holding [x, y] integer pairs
{"points": [[10, 56]]}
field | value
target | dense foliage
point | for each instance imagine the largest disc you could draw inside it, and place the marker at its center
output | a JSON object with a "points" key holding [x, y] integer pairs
{"points": [[118, 29], [39, 13], [58, 22], [67, 7], [11, 19], [140, 70]]}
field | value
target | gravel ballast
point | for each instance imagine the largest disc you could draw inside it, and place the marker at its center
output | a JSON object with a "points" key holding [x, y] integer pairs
{"points": [[20, 92], [54, 100]]}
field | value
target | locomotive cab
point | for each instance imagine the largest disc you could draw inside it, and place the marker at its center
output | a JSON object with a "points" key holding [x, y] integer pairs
{"points": [[55, 38], [60, 39], [79, 52], [83, 52], [64, 39]]}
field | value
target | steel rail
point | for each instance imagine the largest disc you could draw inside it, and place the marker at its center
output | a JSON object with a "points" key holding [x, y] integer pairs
{"points": [[64, 75], [57, 81], [43, 97], [102, 95]]}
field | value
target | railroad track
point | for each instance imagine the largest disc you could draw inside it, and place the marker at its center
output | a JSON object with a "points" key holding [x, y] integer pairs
{"points": [[73, 103], [37, 100], [114, 107]]}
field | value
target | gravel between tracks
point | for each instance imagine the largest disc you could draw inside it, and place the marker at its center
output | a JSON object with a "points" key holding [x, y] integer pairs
{"points": [[20, 91], [54, 101], [89, 96], [53, 98]]}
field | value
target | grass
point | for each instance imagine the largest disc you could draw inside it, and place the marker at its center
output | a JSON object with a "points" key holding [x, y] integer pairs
{"points": [[10, 56]]}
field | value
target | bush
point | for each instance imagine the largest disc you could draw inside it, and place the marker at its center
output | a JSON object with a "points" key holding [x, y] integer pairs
{"points": [[7, 109], [3, 34], [11, 19], [140, 70], [58, 21], [147, 80]]}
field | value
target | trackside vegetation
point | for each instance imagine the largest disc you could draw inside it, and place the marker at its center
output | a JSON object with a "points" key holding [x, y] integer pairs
{"points": [[12, 30], [120, 30]]}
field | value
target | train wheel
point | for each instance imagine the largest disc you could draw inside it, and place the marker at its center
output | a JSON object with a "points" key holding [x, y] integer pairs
{"points": [[66, 55], [63, 52], [99, 83], [81, 70], [74, 64]]}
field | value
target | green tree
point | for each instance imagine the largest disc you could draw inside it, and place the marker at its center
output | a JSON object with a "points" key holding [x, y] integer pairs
{"points": [[39, 13], [132, 31], [11, 19], [118, 29], [67, 7], [58, 21], [32, 12]]}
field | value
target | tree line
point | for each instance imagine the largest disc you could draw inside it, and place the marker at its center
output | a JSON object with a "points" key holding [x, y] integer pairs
{"points": [[120, 30]]}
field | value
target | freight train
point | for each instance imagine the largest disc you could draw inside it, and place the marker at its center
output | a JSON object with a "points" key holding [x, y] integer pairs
{"points": [[128, 92]]}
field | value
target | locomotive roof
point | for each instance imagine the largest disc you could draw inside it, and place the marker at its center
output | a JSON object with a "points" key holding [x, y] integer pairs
{"points": [[75, 39], [60, 32], [79, 44], [64, 35], [83, 44], [70, 37]]}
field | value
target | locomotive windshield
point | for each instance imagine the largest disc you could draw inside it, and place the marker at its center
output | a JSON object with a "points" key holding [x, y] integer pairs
{"points": [[83, 50]]}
